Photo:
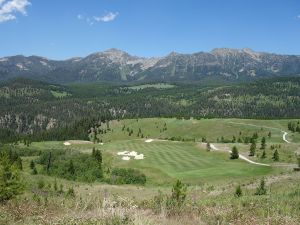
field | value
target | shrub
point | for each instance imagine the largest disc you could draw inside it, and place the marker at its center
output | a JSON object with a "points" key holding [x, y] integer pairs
{"points": [[34, 171], [127, 176], [41, 184], [238, 191], [71, 165], [261, 189], [179, 193], [71, 192]]}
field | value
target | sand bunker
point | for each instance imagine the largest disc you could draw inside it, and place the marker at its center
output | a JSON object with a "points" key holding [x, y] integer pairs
{"points": [[67, 143], [149, 140], [141, 156], [126, 158], [127, 155]]}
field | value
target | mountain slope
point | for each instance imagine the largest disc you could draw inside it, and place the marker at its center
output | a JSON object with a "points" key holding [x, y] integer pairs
{"points": [[117, 66]]}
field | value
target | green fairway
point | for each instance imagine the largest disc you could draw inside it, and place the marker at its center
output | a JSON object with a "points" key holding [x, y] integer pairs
{"points": [[211, 129], [165, 160], [188, 160]]}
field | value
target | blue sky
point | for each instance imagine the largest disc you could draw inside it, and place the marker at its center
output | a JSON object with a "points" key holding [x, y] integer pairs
{"points": [[61, 29]]}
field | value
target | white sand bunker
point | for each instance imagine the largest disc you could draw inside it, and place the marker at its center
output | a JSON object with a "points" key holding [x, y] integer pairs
{"points": [[149, 140], [126, 158], [67, 143], [127, 155]]}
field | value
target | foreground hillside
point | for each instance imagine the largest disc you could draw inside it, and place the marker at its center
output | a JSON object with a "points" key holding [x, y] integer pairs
{"points": [[28, 106], [127, 174]]}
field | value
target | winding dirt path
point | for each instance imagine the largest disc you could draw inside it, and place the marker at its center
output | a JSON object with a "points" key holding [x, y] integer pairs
{"points": [[284, 138], [240, 156]]}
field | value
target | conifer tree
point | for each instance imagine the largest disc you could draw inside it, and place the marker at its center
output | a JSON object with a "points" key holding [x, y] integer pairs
{"points": [[252, 149], [263, 143], [234, 153], [208, 147], [71, 168], [32, 164], [264, 155], [276, 156], [261, 189], [10, 183]]}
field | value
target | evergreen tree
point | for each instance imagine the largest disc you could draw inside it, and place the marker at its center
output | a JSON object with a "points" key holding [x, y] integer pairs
{"points": [[19, 163], [208, 147], [10, 183], [255, 135], [98, 156], [32, 164], [264, 155], [276, 156], [238, 191], [49, 162], [252, 149], [233, 139], [234, 153], [61, 188], [55, 185], [71, 168], [261, 189], [34, 171], [263, 143], [179, 193], [269, 134]]}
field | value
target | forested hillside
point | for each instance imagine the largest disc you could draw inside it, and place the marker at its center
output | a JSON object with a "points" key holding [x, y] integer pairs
{"points": [[28, 106]]}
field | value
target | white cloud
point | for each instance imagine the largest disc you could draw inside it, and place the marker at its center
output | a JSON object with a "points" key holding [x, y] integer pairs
{"points": [[92, 20], [107, 18], [9, 8]]}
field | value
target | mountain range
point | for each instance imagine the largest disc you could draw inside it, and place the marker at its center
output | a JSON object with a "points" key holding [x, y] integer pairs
{"points": [[115, 65]]}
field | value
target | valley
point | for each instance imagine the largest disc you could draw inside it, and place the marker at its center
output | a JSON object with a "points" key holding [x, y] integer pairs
{"points": [[173, 149]]}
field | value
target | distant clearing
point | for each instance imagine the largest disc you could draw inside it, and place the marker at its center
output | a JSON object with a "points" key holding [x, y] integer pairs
{"points": [[60, 94], [157, 86]]}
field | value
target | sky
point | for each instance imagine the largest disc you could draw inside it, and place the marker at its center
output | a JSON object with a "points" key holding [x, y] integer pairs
{"points": [[61, 29]]}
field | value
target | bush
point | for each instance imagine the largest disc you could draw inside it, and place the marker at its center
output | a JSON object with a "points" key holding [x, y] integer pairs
{"points": [[238, 191], [170, 204], [71, 192], [41, 184], [261, 189], [71, 165], [127, 176], [179, 193]]}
